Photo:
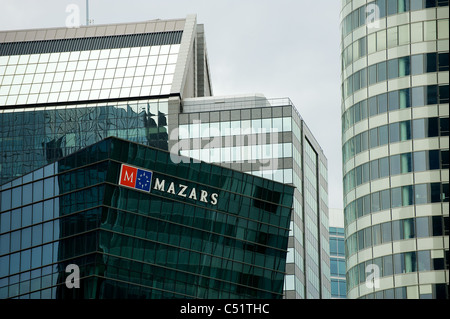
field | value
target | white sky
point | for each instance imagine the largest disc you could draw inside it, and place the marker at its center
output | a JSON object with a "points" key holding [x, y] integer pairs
{"points": [[283, 48]]}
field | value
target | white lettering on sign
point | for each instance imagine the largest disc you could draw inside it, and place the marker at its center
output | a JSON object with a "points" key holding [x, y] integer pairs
{"points": [[182, 191]]}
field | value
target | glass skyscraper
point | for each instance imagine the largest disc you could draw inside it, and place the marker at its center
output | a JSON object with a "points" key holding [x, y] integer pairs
{"points": [[268, 138], [395, 140], [139, 225], [63, 89]]}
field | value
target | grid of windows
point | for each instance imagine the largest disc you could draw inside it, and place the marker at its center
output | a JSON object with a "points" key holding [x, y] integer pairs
{"points": [[395, 153], [397, 264], [87, 75], [337, 263], [395, 100], [395, 132], [33, 137], [402, 229], [419, 161], [264, 138], [233, 128], [73, 211], [395, 36], [361, 15], [402, 196], [395, 68]]}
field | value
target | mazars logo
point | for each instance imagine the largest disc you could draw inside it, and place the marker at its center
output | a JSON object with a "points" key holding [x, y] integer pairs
{"points": [[141, 179], [135, 178]]}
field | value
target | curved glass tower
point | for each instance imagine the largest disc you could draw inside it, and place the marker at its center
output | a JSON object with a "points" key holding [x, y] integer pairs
{"points": [[395, 141]]}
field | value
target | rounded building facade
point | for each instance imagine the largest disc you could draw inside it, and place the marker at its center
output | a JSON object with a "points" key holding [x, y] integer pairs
{"points": [[395, 142]]}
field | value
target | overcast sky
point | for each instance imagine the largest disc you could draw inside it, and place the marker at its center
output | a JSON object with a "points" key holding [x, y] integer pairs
{"points": [[282, 48]]}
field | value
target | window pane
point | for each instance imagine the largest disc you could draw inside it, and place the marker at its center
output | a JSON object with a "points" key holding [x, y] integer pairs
{"points": [[382, 103], [431, 62], [429, 30], [373, 138], [420, 162], [392, 68], [417, 64], [373, 109], [404, 98], [396, 196], [419, 128], [403, 34], [422, 227], [393, 99], [374, 170], [383, 135], [394, 135], [407, 195], [385, 199], [405, 131], [424, 260], [381, 71], [416, 31], [392, 37], [384, 166], [403, 66], [395, 165], [387, 265], [406, 163], [386, 232]]}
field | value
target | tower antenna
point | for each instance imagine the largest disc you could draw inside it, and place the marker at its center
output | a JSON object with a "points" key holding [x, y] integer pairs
{"points": [[87, 12]]}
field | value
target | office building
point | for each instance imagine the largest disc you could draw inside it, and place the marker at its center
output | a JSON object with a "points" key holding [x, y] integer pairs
{"points": [[268, 138], [65, 89], [139, 225], [395, 141]]}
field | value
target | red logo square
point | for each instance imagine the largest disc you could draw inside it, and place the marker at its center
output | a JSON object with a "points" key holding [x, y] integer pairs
{"points": [[128, 176]]}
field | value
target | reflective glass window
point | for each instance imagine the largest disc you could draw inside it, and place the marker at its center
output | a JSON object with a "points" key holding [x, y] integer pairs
{"points": [[382, 103], [386, 232], [381, 71], [393, 100], [392, 67]]}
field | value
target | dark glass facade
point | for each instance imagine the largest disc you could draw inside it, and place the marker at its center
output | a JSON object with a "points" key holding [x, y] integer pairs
{"points": [[226, 238]]}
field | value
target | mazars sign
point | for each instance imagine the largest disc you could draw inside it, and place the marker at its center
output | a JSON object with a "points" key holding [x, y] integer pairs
{"points": [[142, 179]]}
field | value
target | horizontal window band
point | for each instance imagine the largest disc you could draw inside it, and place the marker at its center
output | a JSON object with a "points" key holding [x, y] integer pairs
{"points": [[99, 101], [92, 43]]}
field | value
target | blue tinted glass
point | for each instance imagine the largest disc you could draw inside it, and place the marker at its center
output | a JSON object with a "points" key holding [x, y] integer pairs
{"points": [[393, 98], [419, 128], [396, 197], [395, 165], [373, 109], [417, 64], [382, 103], [383, 135], [392, 67], [5, 222], [5, 200], [372, 74], [416, 4], [392, 7], [381, 71], [394, 132]]}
